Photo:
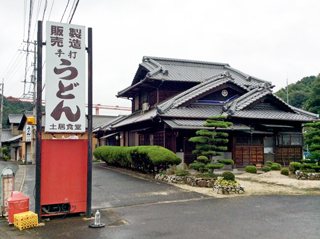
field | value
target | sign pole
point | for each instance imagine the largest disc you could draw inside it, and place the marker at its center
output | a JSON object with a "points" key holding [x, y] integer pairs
{"points": [[39, 118], [89, 168]]}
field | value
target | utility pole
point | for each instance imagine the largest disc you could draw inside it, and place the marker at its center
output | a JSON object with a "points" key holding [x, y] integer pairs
{"points": [[1, 114], [287, 91]]}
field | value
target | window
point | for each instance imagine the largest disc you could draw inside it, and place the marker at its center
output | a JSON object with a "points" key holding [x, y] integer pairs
{"points": [[287, 139]]}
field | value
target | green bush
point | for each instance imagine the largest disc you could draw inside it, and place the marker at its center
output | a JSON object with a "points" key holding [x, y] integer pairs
{"points": [[181, 172], [285, 171], [196, 165], [266, 169], [213, 166], [306, 166], [226, 161], [144, 158], [251, 169], [294, 166], [275, 166], [203, 159], [207, 175], [228, 176], [268, 163], [316, 168]]}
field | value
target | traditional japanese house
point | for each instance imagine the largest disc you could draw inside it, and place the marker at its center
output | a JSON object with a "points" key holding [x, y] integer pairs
{"points": [[172, 98]]}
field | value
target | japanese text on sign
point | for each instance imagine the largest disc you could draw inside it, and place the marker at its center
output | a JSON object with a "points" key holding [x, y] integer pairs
{"points": [[65, 78]]}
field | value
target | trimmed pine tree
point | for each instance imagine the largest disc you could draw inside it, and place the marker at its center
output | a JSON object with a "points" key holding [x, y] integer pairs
{"points": [[312, 139], [211, 142]]}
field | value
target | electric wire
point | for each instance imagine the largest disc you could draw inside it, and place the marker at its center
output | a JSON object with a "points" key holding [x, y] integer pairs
{"points": [[45, 9], [24, 18], [28, 43], [65, 10], [50, 10], [71, 10], [74, 10]]}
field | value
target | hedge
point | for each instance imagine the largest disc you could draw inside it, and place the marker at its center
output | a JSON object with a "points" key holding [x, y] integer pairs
{"points": [[143, 158], [251, 169]]}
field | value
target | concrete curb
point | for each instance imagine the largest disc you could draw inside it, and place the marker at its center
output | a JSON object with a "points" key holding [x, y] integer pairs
{"points": [[20, 177]]}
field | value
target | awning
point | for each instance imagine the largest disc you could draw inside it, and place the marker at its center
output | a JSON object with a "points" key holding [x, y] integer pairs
{"points": [[15, 138]]}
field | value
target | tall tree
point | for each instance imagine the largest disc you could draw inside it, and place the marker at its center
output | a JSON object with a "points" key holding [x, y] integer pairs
{"points": [[211, 142], [312, 139], [313, 103]]}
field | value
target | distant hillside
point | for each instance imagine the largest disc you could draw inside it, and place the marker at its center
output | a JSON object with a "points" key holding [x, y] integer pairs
{"points": [[305, 94], [14, 106]]}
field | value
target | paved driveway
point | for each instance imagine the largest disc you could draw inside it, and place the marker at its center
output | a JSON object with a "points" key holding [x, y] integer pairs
{"points": [[113, 189], [135, 208]]}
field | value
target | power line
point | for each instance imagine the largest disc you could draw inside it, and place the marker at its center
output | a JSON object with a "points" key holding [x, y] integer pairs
{"points": [[71, 10], [28, 44], [50, 10], [65, 10], [45, 9], [74, 10]]}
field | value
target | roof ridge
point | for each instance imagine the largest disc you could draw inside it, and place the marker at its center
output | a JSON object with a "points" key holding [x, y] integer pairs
{"points": [[185, 61], [248, 77], [162, 107]]}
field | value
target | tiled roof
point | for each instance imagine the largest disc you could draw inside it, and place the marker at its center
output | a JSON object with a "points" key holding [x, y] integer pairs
{"points": [[99, 120], [191, 70], [167, 69], [6, 135], [14, 118], [197, 124], [198, 90], [272, 115], [136, 117], [194, 111]]}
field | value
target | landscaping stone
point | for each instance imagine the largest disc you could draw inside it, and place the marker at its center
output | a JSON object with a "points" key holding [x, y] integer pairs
{"points": [[189, 180], [307, 176]]}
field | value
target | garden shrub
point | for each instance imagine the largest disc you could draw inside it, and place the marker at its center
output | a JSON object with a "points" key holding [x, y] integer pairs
{"points": [[275, 166], [228, 176], [226, 161], [266, 169], [207, 175], [268, 163], [251, 169], [144, 158], [285, 171], [213, 166], [203, 159], [306, 166], [294, 166], [316, 167], [181, 172], [196, 165]]}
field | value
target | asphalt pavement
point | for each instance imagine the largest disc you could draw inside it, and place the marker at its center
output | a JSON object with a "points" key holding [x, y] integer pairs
{"points": [[132, 207]]}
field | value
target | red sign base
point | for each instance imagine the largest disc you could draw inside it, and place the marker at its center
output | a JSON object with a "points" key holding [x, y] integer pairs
{"points": [[63, 176]]}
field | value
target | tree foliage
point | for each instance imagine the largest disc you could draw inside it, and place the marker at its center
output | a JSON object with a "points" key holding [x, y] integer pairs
{"points": [[305, 94], [14, 107], [312, 139], [211, 142]]}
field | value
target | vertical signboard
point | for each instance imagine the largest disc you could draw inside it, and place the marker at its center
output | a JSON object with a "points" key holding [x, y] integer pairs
{"points": [[65, 78], [28, 133]]}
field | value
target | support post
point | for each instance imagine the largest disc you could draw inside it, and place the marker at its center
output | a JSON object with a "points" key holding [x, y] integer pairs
{"points": [[39, 118], [89, 168]]}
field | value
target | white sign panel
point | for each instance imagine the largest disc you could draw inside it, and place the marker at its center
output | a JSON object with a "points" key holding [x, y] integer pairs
{"points": [[28, 133], [65, 78]]}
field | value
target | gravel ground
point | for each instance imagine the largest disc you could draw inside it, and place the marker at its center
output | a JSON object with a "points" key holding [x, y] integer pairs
{"points": [[270, 183]]}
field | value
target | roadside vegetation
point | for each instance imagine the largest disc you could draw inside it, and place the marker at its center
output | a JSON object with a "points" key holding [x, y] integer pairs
{"points": [[148, 159]]}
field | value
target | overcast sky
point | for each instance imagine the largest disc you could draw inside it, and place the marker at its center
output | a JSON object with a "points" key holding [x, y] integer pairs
{"points": [[272, 40]]}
